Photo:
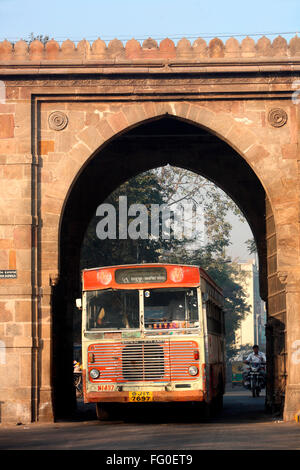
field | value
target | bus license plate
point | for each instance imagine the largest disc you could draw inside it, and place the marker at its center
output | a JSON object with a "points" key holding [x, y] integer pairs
{"points": [[140, 396]]}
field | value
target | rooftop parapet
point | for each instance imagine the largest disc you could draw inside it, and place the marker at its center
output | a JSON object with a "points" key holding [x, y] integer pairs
{"points": [[150, 50]]}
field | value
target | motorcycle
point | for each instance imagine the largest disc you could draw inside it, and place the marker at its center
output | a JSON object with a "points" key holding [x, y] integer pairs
{"points": [[77, 379], [254, 379], [77, 382]]}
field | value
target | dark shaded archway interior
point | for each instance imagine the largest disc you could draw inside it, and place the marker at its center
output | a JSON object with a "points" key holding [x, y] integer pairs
{"points": [[152, 144]]}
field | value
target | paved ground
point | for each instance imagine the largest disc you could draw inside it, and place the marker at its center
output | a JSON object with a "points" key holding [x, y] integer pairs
{"points": [[242, 425]]}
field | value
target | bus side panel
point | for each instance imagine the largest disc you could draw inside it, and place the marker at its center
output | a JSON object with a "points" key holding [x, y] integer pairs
{"points": [[216, 364]]}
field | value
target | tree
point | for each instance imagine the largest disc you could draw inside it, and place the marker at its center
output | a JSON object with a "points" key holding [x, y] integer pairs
{"points": [[251, 246], [238, 354], [38, 37], [179, 185]]}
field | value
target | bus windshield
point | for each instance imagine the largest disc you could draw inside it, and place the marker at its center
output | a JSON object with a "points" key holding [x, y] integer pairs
{"points": [[112, 309], [171, 308]]}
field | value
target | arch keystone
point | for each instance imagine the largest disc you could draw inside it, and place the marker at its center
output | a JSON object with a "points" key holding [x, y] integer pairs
{"points": [[163, 107], [150, 109], [181, 109]]}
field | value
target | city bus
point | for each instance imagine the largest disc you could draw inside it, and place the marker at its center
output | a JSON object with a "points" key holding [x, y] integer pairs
{"points": [[152, 333]]}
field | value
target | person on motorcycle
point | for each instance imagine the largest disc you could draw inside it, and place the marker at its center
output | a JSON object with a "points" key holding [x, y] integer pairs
{"points": [[255, 356], [258, 357]]}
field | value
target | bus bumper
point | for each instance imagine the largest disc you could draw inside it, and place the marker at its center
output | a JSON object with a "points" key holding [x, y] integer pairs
{"points": [[161, 396]]}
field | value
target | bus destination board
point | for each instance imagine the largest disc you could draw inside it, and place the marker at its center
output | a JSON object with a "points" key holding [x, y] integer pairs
{"points": [[140, 276]]}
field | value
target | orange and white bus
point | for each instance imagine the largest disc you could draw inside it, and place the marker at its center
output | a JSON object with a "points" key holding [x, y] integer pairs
{"points": [[152, 333]]}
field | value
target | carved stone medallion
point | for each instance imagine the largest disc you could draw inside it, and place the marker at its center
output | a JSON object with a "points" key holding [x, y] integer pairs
{"points": [[277, 117], [58, 120]]}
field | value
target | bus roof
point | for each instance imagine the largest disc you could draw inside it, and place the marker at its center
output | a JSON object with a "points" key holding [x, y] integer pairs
{"points": [[189, 270]]}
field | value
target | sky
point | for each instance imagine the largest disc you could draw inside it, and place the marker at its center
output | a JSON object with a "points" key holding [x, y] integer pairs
{"points": [[240, 233], [124, 19]]}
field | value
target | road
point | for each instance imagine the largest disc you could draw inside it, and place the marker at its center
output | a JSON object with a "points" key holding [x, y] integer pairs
{"points": [[243, 424]]}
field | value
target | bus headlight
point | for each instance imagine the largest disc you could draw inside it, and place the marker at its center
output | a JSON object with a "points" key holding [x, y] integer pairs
{"points": [[193, 370], [94, 373]]}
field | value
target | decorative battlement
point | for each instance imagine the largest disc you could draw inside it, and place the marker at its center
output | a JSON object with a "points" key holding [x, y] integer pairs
{"points": [[115, 51]]}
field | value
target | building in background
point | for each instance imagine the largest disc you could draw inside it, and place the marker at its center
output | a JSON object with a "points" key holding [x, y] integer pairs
{"points": [[252, 329]]}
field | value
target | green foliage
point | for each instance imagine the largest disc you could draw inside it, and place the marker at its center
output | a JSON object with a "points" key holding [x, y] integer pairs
{"points": [[251, 246], [238, 354]]}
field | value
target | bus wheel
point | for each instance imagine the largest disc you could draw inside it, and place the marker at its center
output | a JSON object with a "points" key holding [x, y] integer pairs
{"points": [[103, 411]]}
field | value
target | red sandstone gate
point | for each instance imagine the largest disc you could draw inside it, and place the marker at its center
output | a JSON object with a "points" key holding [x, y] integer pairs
{"points": [[69, 116]]}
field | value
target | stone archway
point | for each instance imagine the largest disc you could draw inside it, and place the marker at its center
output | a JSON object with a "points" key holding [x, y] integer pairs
{"points": [[221, 164]]}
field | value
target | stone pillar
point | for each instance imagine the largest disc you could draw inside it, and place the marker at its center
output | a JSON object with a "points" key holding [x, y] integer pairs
{"points": [[292, 398], [45, 405]]}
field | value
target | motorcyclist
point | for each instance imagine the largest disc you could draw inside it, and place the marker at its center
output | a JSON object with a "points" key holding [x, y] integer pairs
{"points": [[257, 357]]}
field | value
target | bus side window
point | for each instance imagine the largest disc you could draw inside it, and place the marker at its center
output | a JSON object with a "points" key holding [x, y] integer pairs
{"points": [[214, 318]]}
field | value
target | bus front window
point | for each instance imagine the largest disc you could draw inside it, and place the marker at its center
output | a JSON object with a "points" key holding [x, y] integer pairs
{"points": [[112, 309], [171, 308]]}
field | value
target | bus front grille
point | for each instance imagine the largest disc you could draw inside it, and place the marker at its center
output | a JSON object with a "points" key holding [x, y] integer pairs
{"points": [[143, 362]]}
